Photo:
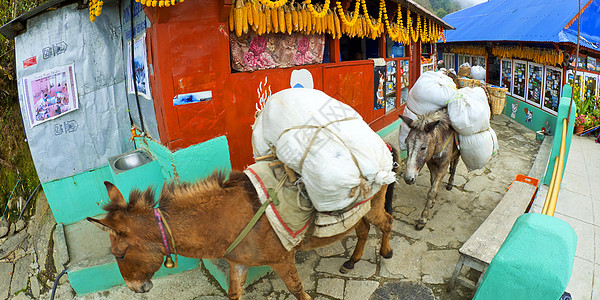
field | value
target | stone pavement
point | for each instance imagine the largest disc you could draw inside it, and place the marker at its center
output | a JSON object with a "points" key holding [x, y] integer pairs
{"points": [[579, 205], [423, 260]]}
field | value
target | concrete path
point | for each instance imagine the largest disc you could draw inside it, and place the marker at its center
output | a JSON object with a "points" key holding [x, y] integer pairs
{"points": [[579, 205]]}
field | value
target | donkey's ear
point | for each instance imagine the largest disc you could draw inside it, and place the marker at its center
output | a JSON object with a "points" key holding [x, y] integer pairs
{"points": [[406, 120], [102, 224], [114, 194], [429, 127]]}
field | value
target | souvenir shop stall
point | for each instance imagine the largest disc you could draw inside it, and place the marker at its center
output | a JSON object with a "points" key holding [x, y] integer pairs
{"points": [[172, 87], [529, 48]]}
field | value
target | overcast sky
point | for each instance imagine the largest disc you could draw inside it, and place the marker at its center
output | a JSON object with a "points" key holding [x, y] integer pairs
{"points": [[469, 3]]}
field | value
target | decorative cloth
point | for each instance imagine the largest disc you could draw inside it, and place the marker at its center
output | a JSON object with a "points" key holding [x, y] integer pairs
{"points": [[251, 52]]}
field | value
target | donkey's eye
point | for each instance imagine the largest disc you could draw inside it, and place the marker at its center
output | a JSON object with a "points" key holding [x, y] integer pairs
{"points": [[423, 148], [120, 257]]}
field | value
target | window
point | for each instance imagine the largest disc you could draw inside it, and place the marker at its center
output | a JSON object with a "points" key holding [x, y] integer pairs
{"points": [[552, 89], [449, 60], [535, 75], [358, 49], [519, 79], [506, 74]]}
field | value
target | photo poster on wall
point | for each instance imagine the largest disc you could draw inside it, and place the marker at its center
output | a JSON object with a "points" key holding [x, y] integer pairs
{"points": [[141, 68], [552, 89], [576, 85], [404, 81], [591, 63], [379, 79], [519, 78], [590, 84], [534, 83], [390, 86], [50, 94], [506, 74]]}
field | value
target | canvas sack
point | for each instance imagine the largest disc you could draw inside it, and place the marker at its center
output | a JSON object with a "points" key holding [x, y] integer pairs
{"points": [[477, 149], [469, 111], [340, 158]]}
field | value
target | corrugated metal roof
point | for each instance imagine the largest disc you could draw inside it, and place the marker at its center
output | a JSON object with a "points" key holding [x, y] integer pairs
{"points": [[525, 20], [12, 28]]}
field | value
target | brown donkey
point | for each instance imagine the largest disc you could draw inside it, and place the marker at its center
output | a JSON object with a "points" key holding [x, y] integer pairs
{"points": [[205, 218], [430, 141]]}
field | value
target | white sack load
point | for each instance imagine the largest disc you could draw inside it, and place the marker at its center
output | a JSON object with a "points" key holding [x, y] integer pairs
{"points": [[477, 149], [469, 111], [404, 129], [432, 91], [331, 177], [478, 72]]}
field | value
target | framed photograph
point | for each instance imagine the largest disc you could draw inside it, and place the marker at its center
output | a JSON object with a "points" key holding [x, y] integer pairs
{"points": [[519, 79], [506, 71], [590, 87], [404, 83], [552, 89], [50, 94], [535, 80], [391, 86], [140, 74]]}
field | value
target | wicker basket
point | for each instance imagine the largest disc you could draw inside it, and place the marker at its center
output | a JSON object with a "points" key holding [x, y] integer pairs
{"points": [[467, 82], [497, 98]]}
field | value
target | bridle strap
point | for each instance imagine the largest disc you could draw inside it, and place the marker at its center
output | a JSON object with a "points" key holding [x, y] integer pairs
{"points": [[160, 219]]}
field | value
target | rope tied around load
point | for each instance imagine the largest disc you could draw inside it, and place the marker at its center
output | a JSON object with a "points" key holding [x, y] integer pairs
{"points": [[365, 188]]}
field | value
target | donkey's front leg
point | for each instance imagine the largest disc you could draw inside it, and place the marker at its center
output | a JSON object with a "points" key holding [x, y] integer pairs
{"points": [[289, 274], [437, 174], [237, 278], [453, 164]]}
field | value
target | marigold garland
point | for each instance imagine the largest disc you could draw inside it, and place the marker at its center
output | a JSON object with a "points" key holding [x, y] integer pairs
{"points": [[95, 8], [161, 3], [273, 4], [269, 16], [342, 15], [314, 12]]}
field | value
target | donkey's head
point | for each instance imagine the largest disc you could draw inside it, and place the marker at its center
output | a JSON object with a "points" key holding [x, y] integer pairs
{"points": [[421, 141], [134, 236]]}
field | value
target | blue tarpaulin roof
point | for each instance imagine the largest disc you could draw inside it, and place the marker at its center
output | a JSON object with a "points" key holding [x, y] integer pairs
{"points": [[526, 21]]}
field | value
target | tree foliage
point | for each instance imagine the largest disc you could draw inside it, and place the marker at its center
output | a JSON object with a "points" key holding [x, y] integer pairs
{"points": [[16, 165]]}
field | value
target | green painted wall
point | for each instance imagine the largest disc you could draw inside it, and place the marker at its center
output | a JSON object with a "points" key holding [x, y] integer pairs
{"points": [[534, 262], [389, 129], [108, 275], [539, 118], [192, 163], [74, 198]]}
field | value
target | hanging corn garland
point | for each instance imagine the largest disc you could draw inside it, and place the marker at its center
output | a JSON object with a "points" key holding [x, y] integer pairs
{"points": [[283, 16], [470, 50], [543, 56]]}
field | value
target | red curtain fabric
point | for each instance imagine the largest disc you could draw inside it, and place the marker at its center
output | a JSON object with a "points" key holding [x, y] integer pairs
{"points": [[251, 52]]}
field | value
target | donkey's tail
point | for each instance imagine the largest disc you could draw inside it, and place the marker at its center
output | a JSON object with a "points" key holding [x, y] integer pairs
{"points": [[389, 194]]}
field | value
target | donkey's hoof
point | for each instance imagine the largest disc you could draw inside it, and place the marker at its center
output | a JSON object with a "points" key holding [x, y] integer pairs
{"points": [[388, 255], [420, 225], [346, 267], [449, 187]]}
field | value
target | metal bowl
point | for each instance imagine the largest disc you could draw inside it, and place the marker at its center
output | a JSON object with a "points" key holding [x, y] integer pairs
{"points": [[130, 160]]}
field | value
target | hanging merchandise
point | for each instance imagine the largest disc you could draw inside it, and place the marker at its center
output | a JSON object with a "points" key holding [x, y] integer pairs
{"points": [[550, 57], [284, 16]]}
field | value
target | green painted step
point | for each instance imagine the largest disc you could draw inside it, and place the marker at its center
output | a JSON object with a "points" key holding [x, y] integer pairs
{"points": [[534, 262]]}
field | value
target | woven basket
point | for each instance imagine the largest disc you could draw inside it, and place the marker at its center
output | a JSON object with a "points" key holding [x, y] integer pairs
{"points": [[497, 98], [467, 82]]}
